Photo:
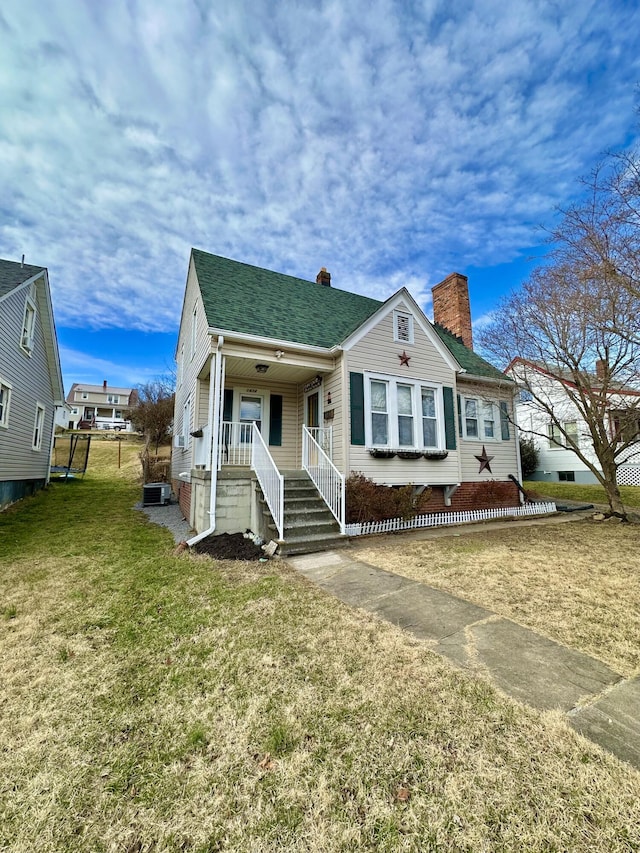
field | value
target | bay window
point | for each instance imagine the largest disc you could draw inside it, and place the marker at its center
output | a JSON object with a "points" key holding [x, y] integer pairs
{"points": [[402, 414]]}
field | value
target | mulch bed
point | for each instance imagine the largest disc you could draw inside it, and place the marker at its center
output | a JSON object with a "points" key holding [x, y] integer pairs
{"points": [[229, 546]]}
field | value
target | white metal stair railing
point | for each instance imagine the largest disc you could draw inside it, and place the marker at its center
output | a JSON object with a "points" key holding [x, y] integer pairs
{"points": [[324, 437], [324, 475], [236, 441], [270, 479]]}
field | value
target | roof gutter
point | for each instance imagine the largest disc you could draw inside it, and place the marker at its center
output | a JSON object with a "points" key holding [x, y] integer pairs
{"points": [[214, 419]]}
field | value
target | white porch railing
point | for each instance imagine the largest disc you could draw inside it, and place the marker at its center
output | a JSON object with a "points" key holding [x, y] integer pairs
{"points": [[236, 442], [324, 474], [324, 437], [270, 479]]}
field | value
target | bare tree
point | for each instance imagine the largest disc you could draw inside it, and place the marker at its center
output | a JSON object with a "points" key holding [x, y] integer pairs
{"points": [[572, 345], [153, 412]]}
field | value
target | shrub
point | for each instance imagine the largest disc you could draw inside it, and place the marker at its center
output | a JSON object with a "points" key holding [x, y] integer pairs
{"points": [[529, 456], [368, 501]]}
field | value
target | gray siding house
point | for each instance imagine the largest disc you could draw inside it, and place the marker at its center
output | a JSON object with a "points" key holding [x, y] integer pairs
{"points": [[30, 380]]}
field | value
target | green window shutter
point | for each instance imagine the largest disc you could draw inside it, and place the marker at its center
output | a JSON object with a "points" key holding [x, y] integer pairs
{"points": [[449, 418], [275, 420], [504, 421], [459, 415], [227, 406], [356, 396]]}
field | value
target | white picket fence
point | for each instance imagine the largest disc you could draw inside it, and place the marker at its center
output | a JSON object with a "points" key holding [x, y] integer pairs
{"points": [[437, 519]]}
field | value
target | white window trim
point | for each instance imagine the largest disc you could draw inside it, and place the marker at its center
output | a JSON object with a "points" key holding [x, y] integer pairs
{"points": [[481, 403], [180, 370], [27, 334], [396, 333], [186, 424], [392, 412], [38, 427], [7, 388]]}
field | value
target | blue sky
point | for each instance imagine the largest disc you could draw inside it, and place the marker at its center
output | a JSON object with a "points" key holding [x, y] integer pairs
{"points": [[392, 143]]}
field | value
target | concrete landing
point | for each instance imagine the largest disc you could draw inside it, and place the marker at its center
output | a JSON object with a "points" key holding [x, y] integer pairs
{"points": [[517, 660]]}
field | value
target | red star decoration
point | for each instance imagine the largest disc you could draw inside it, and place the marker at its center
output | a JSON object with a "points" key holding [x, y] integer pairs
{"points": [[484, 461], [404, 358]]}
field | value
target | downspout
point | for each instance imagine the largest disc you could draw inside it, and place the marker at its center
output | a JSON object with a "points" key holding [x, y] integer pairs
{"points": [[214, 420]]}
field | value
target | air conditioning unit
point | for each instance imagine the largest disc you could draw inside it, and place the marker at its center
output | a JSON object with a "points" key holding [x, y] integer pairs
{"points": [[156, 494]]}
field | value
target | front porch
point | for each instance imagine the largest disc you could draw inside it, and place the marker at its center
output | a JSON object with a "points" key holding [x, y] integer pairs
{"points": [[300, 508]]}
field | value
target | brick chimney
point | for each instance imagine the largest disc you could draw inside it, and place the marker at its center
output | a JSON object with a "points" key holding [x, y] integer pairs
{"points": [[601, 369], [104, 385], [451, 307], [324, 277]]}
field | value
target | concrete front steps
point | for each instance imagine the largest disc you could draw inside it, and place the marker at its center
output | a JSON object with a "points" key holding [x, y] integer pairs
{"points": [[309, 524]]}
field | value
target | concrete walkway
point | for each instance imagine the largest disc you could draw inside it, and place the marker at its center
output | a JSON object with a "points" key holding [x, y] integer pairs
{"points": [[523, 664]]}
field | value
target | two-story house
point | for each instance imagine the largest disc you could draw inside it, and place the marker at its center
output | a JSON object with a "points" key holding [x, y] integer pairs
{"points": [[545, 393], [99, 406], [277, 376], [30, 379]]}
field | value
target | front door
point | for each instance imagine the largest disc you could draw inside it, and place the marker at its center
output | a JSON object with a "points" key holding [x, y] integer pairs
{"points": [[313, 410]]}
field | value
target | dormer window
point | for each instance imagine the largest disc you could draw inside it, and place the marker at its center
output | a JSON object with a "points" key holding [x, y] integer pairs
{"points": [[402, 327], [28, 325]]}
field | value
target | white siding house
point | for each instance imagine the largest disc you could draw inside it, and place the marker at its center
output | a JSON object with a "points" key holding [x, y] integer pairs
{"points": [[277, 376], [30, 380], [556, 461]]}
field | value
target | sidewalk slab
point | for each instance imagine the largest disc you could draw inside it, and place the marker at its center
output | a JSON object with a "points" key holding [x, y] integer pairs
{"points": [[428, 613], [613, 721], [535, 669]]}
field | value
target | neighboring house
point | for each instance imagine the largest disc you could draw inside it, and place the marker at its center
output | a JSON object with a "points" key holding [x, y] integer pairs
{"points": [[99, 406], [556, 462], [30, 380], [334, 383]]}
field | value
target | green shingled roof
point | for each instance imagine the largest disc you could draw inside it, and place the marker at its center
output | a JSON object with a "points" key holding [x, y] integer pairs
{"points": [[467, 358], [241, 298], [253, 301]]}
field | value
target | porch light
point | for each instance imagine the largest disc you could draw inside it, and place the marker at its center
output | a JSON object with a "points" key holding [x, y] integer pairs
{"points": [[262, 368]]}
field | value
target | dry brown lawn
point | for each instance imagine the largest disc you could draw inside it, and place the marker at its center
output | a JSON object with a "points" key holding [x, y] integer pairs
{"points": [[577, 582], [161, 703]]}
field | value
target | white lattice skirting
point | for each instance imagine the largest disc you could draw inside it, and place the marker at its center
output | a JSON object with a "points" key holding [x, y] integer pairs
{"points": [[437, 519], [628, 475]]}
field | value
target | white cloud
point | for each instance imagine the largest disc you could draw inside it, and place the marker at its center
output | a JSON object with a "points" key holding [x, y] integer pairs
{"points": [[389, 145]]}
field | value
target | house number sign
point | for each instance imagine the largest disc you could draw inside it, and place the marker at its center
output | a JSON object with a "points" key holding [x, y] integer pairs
{"points": [[314, 383]]}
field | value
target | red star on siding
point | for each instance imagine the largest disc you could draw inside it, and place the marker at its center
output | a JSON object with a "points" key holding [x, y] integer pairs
{"points": [[404, 358], [484, 461]]}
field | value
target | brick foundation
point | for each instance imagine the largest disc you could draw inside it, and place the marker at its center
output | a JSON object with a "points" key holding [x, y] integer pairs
{"points": [[183, 491], [485, 495]]}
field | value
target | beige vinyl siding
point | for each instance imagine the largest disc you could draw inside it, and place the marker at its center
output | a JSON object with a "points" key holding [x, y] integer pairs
{"points": [[287, 455], [333, 385], [505, 459], [182, 458], [30, 380], [377, 352]]}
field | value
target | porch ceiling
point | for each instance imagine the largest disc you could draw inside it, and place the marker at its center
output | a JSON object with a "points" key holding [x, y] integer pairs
{"points": [[279, 371]]}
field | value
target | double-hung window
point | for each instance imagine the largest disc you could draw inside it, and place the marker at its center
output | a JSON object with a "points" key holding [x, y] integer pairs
{"points": [[557, 440], [480, 419], [379, 413], [5, 399], [38, 426], [403, 414], [28, 325]]}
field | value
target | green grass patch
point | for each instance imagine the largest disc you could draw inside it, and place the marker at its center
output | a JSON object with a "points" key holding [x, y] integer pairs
{"points": [[589, 493]]}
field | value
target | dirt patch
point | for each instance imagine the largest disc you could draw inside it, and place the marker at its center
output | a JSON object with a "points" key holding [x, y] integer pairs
{"points": [[229, 546]]}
